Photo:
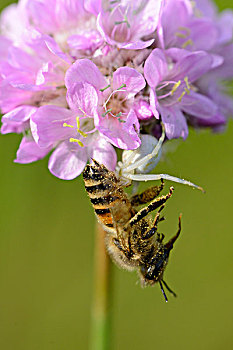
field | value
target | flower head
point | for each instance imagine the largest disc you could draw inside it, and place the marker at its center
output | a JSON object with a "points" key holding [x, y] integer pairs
{"points": [[171, 75], [83, 78]]}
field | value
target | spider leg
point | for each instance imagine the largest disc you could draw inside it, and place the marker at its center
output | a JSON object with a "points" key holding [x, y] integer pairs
{"points": [[147, 196], [127, 168], [151, 177], [156, 203]]}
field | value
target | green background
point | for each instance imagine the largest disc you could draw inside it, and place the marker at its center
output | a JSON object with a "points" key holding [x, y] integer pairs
{"points": [[46, 257]]}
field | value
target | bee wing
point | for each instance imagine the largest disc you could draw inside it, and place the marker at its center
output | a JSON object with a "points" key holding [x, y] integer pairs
{"points": [[121, 214]]}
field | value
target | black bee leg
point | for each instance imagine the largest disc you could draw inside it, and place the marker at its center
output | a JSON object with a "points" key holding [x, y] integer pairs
{"points": [[117, 244], [164, 294], [156, 203], [157, 216], [160, 237], [169, 244], [149, 233], [147, 195], [153, 230], [169, 289]]}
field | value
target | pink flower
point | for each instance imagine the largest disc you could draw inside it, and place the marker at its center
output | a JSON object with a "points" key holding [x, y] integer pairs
{"points": [[114, 116], [72, 133], [125, 23], [81, 77], [172, 75]]}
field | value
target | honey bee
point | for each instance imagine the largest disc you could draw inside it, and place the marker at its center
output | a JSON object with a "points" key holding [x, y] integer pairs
{"points": [[132, 239]]}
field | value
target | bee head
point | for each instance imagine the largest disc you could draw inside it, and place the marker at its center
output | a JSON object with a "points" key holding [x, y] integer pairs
{"points": [[152, 271]]}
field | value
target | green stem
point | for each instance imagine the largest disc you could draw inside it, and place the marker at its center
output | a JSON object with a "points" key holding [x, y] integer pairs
{"points": [[101, 308]]}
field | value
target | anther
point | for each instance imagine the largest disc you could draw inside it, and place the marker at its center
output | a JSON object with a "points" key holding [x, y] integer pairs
{"points": [[187, 83], [67, 125], [175, 87], [186, 43], [105, 88], [181, 96], [181, 35], [122, 86], [105, 113], [76, 141]]}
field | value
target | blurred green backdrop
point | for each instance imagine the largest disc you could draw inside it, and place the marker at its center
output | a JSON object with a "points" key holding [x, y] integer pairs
{"points": [[46, 256]]}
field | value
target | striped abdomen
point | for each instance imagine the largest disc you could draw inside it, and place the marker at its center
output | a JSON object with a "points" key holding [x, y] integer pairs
{"points": [[104, 191]]}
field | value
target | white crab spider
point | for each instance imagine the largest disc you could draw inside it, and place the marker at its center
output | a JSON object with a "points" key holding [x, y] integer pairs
{"points": [[137, 163]]}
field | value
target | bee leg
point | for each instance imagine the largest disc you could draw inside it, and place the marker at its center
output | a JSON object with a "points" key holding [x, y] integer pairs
{"points": [[147, 195], [149, 233], [169, 244], [118, 245], [156, 203], [126, 251], [157, 218], [153, 230]]}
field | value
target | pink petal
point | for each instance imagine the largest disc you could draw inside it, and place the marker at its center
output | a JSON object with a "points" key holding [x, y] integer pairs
{"points": [[90, 40], [174, 122], [104, 153], [123, 135], [29, 151], [155, 68], [67, 161], [5, 44], [137, 45], [154, 103], [42, 14], [204, 34], [133, 80], [47, 125], [93, 6], [11, 97], [199, 106], [19, 114], [55, 49], [13, 127], [86, 71], [83, 97], [193, 65], [225, 25]]}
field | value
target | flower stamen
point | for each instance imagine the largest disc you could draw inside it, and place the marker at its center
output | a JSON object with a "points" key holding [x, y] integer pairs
{"points": [[107, 111], [105, 88], [175, 87], [77, 141], [186, 43], [187, 83], [181, 96], [67, 125], [186, 89]]}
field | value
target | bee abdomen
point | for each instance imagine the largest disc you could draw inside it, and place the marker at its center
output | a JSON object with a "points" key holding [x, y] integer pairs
{"points": [[104, 216], [101, 189], [92, 176], [102, 207], [100, 202]]}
